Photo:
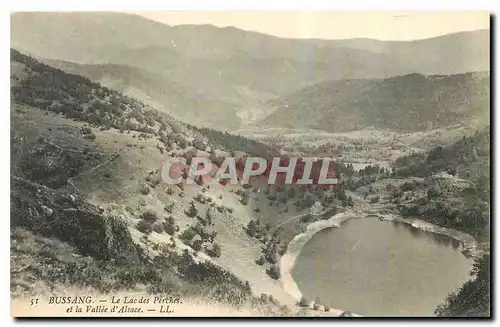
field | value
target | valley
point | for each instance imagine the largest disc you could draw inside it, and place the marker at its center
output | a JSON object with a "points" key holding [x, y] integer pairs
{"points": [[239, 77], [92, 124]]}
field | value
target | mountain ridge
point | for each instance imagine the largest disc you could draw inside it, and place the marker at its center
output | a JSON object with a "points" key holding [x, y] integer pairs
{"points": [[227, 73], [405, 103]]}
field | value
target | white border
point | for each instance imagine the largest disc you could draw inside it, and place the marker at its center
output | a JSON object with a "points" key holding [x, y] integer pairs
{"points": [[148, 5]]}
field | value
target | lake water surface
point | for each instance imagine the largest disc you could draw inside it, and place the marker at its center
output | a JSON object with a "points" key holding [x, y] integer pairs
{"points": [[380, 268]]}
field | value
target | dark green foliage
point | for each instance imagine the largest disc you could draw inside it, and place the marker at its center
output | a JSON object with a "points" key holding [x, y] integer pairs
{"points": [[158, 227], [468, 158], [396, 193], [475, 219], [78, 98], [214, 251], [230, 142], [168, 273], [145, 189], [271, 257], [145, 226], [456, 204], [342, 196], [169, 207], [188, 234], [282, 250], [354, 182], [350, 202], [196, 245], [228, 287], [245, 197], [346, 314], [409, 160], [274, 272], [192, 211], [346, 169], [252, 228], [44, 163], [290, 193], [270, 250], [170, 226], [433, 192], [471, 219], [303, 302], [369, 170], [408, 186], [35, 208], [49, 85], [87, 133], [271, 197], [260, 261], [307, 200], [473, 299], [406, 103], [149, 216]]}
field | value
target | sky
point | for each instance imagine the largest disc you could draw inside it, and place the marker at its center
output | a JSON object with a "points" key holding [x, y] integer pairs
{"points": [[334, 25]]}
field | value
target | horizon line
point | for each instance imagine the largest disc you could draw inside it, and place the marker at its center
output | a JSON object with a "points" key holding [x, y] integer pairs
{"points": [[140, 14], [311, 38]]}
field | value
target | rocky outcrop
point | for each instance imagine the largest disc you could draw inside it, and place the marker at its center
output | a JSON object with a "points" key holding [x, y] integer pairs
{"points": [[70, 218]]}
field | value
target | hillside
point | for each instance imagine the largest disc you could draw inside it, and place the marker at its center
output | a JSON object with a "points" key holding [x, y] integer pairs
{"points": [[224, 88], [405, 103], [222, 71], [448, 186], [73, 96], [85, 162], [64, 241], [473, 298], [456, 194], [227, 72], [161, 92], [444, 55], [467, 158], [86, 157], [452, 187]]}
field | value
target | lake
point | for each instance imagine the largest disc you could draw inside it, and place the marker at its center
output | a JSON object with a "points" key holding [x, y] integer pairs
{"points": [[380, 268]]}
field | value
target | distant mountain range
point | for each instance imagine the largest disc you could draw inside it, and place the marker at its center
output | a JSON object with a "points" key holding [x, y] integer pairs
{"points": [[222, 77]]}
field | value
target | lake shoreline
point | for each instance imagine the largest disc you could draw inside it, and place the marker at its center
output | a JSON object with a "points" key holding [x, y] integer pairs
{"points": [[287, 261]]}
